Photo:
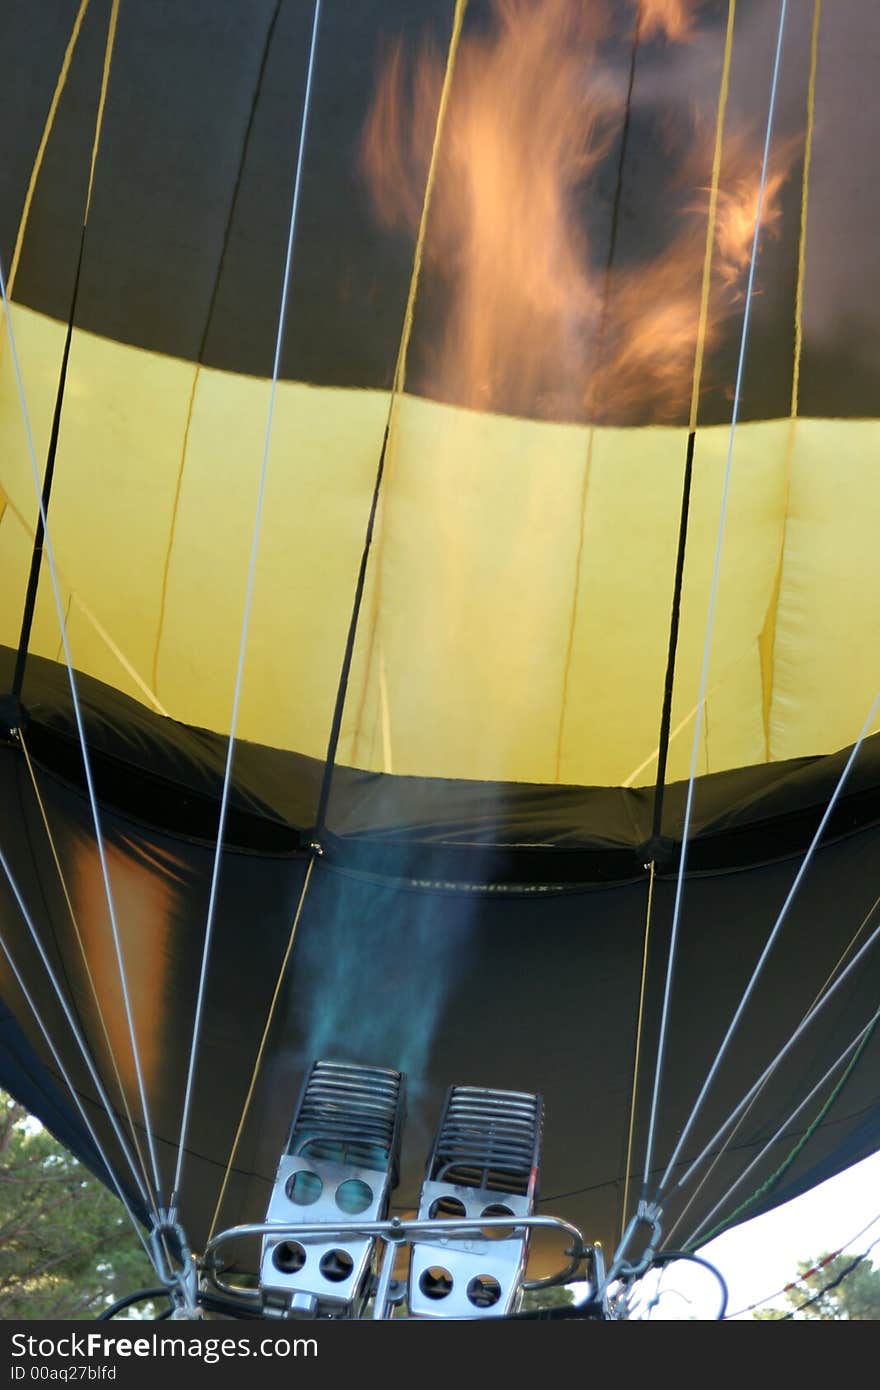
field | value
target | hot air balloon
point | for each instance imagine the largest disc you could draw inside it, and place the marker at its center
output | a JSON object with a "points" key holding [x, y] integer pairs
{"points": [[439, 572]]}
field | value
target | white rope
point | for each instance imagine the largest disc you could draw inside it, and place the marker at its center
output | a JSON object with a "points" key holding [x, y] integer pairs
{"points": [[704, 675], [778, 1059], [83, 1047], [782, 1128], [79, 1105], [777, 926], [75, 924], [50, 558], [741, 1121], [227, 775], [801, 1278]]}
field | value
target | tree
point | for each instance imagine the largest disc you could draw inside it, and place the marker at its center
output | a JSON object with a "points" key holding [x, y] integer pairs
{"points": [[855, 1298], [557, 1296], [67, 1247]]}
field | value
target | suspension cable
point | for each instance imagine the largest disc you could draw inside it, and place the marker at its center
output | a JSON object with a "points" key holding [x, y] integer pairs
{"points": [[777, 926], [741, 1121], [99, 1148], [862, 1036], [80, 727], [678, 581], [30, 601], [258, 1060], [82, 950], [716, 572], [203, 341], [242, 646], [699, 354], [638, 1048], [816, 1269], [48, 125], [598, 355], [397, 386], [838, 1279], [779, 1058], [74, 1028], [806, 1136]]}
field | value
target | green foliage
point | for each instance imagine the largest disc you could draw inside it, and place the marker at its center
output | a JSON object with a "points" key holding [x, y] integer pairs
{"points": [[67, 1247], [855, 1299], [557, 1296]]}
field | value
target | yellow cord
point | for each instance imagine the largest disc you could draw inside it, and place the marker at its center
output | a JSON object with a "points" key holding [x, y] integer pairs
{"points": [[396, 389], [698, 362], [262, 1048], [723, 91], [105, 78], [399, 380], [768, 633], [400, 367], [82, 951], [635, 1085], [44, 141], [805, 193], [710, 225], [745, 1114]]}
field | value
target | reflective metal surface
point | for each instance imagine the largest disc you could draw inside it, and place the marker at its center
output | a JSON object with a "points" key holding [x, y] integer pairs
{"points": [[340, 1165], [484, 1165]]}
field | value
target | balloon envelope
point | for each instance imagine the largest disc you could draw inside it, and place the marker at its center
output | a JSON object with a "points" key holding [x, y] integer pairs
{"points": [[528, 352]]}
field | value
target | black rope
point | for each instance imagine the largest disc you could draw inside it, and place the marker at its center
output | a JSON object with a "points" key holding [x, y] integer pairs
{"points": [[30, 601], [233, 203], [832, 1284], [606, 284], [139, 1296], [776, 1177], [601, 335], [618, 188], [336, 725], [687, 1256], [212, 304], [674, 618], [342, 689], [216, 1303], [825, 1261], [39, 535]]}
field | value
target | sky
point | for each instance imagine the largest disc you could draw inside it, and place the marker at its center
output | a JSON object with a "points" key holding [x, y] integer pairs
{"points": [[760, 1257]]}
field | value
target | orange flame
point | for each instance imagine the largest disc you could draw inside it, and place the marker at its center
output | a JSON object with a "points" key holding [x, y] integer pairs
{"points": [[144, 886], [672, 18], [536, 324], [738, 206]]}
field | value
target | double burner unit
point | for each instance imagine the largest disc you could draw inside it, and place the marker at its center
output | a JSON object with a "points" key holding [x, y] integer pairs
{"points": [[329, 1248]]}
